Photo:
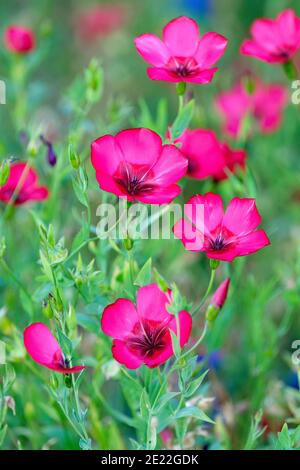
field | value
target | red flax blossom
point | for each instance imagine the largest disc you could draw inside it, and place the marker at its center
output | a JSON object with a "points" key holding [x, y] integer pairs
{"points": [[223, 236], [274, 41], [207, 156], [265, 106], [142, 333], [135, 165], [19, 39], [22, 186], [182, 56], [43, 348]]}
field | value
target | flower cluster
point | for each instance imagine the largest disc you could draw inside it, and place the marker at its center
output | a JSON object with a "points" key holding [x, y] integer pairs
{"points": [[144, 322]]}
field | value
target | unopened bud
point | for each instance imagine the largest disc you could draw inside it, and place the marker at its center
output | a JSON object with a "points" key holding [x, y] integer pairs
{"points": [[74, 158], [68, 380], [47, 309], [217, 301], [221, 293], [128, 243]]}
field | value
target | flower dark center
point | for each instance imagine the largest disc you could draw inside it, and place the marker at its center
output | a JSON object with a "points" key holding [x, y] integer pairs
{"points": [[218, 243], [150, 339], [183, 66], [134, 179]]}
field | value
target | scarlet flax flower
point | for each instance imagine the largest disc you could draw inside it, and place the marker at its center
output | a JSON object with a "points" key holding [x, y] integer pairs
{"points": [[207, 156], [274, 41], [44, 349], [22, 186], [19, 39], [142, 333], [135, 165], [265, 105], [182, 55], [222, 235]]}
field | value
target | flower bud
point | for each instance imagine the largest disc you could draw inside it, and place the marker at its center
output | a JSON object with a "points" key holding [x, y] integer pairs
{"points": [[74, 158], [128, 243], [51, 156], [47, 309], [217, 301], [68, 380], [220, 295]]}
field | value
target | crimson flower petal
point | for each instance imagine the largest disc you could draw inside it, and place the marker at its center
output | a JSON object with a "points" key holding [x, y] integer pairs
{"points": [[152, 49], [119, 318], [181, 36]]}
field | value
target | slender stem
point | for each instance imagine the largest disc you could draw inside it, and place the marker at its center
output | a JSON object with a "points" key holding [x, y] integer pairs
{"points": [[172, 369], [78, 409], [159, 375], [197, 342], [208, 290]]}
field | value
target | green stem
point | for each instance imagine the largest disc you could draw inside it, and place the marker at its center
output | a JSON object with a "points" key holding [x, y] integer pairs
{"points": [[197, 342], [208, 290], [78, 409]]}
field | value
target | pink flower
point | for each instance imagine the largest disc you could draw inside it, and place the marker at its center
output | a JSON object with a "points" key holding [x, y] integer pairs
{"points": [[220, 295], [182, 56], [223, 236], [27, 191], [274, 41], [166, 436], [207, 157], [135, 165], [142, 333], [265, 106], [99, 21], [19, 39], [43, 348]]}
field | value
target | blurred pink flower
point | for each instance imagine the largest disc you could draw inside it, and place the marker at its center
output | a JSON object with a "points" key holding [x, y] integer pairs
{"points": [[226, 235], [274, 41], [43, 348], [142, 333], [207, 156], [166, 436], [265, 105], [28, 190], [19, 39], [99, 21], [135, 165], [182, 56]]}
